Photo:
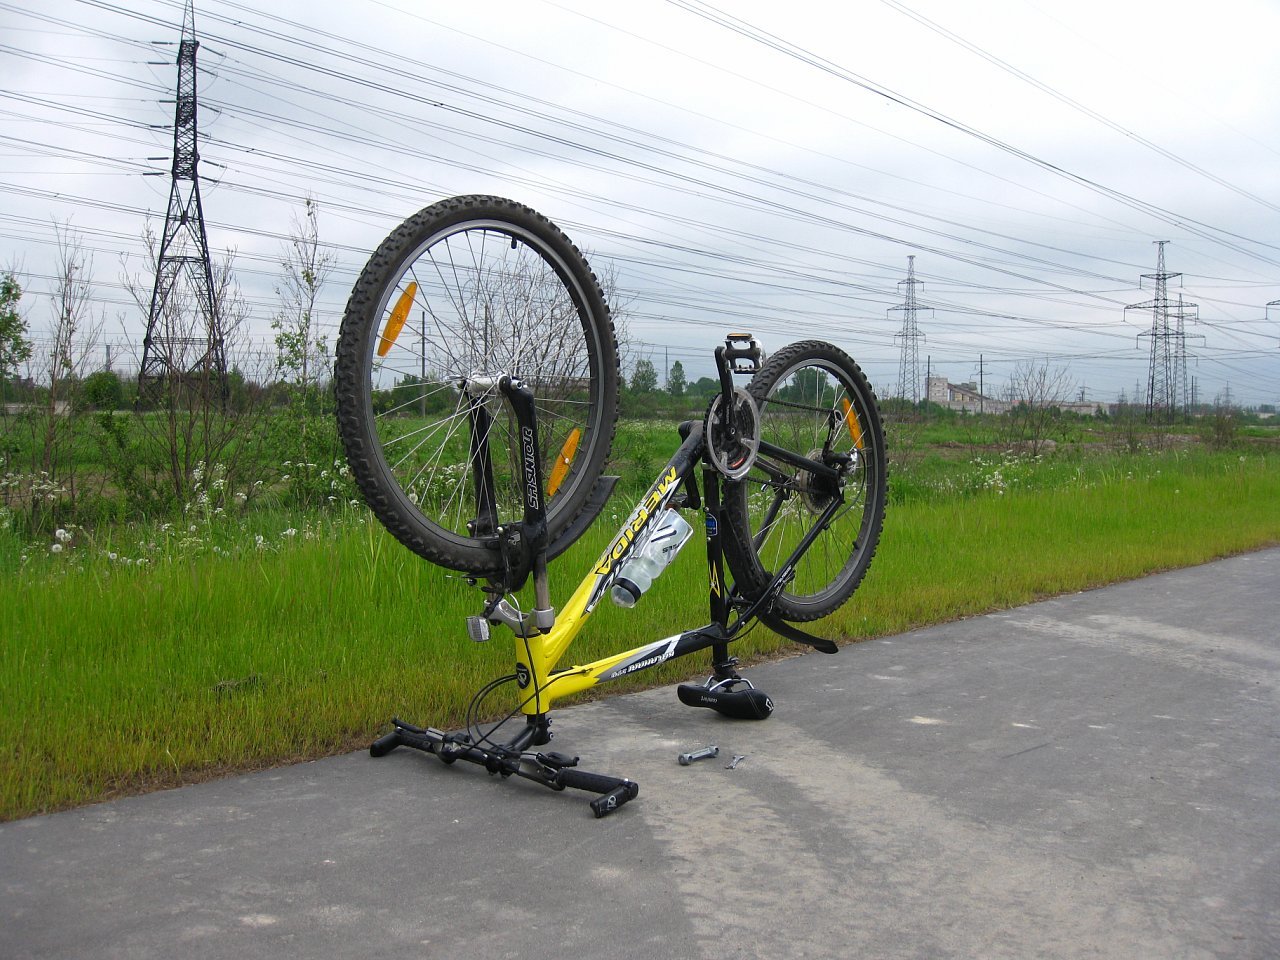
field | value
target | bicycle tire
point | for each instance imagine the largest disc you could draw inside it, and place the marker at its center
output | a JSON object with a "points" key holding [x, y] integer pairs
{"points": [[473, 288], [815, 401]]}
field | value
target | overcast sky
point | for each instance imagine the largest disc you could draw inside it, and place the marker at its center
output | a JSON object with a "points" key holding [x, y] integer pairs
{"points": [[751, 165]]}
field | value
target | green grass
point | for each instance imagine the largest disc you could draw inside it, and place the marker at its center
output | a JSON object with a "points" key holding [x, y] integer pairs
{"points": [[116, 678], [967, 555]]}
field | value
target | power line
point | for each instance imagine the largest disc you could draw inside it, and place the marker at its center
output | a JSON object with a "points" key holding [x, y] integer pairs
{"points": [[1076, 105], [746, 270], [745, 29]]}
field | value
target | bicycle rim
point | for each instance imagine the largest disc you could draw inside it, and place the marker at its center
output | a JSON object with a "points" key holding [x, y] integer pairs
{"points": [[463, 294], [815, 402]]}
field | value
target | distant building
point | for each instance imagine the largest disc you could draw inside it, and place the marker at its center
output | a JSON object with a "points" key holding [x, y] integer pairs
{"points": [[61, 408], [965, 398], [962, 396], [1086, 408]]}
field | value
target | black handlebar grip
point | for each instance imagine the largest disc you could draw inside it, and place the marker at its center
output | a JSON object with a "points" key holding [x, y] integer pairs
{"points": [[614, 791], [385, 744], [594, 782], [611, 801]]}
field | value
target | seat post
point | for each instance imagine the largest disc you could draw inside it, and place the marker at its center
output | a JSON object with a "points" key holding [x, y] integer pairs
{"points": [[718, 590]]}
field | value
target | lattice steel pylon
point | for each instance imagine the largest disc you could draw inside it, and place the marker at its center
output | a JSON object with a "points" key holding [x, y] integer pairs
{"points": [[1166, 378], [172, 351], [909, 366], [1181, 385]]}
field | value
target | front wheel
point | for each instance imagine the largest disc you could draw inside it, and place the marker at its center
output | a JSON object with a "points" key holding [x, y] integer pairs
{"points": [[821, 464], [462, 294]]}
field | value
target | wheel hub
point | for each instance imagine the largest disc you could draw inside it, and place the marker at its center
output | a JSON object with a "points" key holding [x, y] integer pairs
{"points": [[816, 492]]}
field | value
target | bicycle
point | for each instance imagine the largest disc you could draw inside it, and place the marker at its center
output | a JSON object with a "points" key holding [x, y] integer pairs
{"points": [[478, 433]]}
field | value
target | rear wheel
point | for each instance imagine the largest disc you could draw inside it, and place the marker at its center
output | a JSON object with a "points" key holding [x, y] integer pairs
{"points": [[463, 293], [816, 403]]}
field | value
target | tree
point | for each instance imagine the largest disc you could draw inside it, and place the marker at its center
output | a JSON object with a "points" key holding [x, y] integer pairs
{"points": [[302, 357], [65, 361], [619, 301], [194, 424], [1037, 392], [808, 386], [102, 390], [676, 380], [15, 348], [301, 434], [644, 379], [704, 387]]}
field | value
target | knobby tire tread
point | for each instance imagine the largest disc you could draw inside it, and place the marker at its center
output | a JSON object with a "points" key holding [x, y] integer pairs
{"points": [[749, 573], [381, 493]]}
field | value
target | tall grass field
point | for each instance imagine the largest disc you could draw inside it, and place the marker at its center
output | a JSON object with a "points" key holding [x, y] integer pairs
{"points": [[143, 658]]}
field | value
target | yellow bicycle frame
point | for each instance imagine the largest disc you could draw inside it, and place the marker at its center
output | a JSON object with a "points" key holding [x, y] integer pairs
{"points": [[538, 654]]}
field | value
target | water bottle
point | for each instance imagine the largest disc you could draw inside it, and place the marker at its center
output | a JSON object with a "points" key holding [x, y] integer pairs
{"points": [[639, 572]]}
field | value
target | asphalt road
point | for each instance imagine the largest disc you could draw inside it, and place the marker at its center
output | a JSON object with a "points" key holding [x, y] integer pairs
{"points": [[1092, 776]]}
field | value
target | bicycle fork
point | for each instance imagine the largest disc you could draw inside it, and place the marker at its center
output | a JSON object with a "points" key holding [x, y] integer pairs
{"points": [[523, 545]]}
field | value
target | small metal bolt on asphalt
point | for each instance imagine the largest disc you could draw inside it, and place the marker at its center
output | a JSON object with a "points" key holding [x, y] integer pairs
{"points": [[703, 754]]}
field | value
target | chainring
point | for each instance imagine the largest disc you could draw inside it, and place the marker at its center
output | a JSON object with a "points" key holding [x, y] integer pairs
{"points": [[733, 434]]}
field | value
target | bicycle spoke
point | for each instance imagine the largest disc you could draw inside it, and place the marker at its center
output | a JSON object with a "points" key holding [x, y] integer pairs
{"points": [[468, 291], [812, 481]]}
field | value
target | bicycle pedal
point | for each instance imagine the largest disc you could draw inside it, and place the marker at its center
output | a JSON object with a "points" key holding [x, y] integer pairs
{"points": [[743, 352], [478, 629]]}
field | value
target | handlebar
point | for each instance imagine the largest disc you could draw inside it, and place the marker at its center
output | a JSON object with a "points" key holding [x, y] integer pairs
{"points": [[553, 770]]}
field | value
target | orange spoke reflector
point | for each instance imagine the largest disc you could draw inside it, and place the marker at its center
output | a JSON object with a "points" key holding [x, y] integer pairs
{"points": [[851, 421], [564, 461], [395, 322]]}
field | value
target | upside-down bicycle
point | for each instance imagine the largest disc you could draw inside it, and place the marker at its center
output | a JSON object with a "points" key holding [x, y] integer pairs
{"points": [[477, 393]]}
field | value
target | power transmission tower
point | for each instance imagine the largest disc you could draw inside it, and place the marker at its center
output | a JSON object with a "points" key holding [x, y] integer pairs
{"points": [[1181, 387], [909, 367], [1167, 344], [171, 351]]}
